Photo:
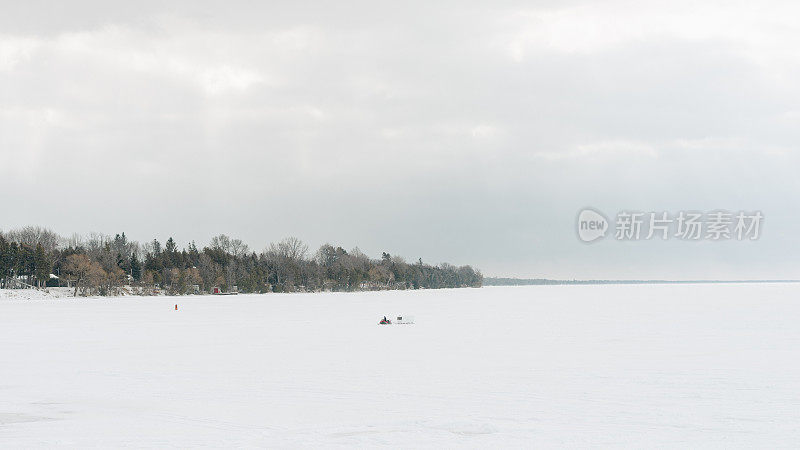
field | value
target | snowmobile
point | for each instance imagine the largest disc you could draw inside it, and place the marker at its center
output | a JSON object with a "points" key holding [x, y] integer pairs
{"points": [[401, 320]]}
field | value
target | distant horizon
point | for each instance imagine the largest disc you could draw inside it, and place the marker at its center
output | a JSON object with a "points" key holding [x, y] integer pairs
{"points": [[501, 281]]}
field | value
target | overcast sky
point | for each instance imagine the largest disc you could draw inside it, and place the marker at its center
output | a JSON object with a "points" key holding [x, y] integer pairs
{"points": [[450, 131]]}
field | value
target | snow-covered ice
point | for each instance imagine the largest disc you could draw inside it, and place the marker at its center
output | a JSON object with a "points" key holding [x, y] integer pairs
{"points": [[546, 366]]}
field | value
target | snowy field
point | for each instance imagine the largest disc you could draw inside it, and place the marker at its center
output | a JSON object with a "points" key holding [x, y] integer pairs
{"points": [[667, 366]]}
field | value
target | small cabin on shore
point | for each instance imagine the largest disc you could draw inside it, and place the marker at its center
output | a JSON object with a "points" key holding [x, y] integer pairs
{"points": [[217, 291]]}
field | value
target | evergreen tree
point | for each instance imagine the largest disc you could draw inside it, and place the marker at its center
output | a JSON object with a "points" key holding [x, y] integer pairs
{"points": [[156, 247], [193, 255], [170, 246], [26, 264], [123, 263], [172, 259], [136, 268], [13, 260], [41, 265], [5, 261]]}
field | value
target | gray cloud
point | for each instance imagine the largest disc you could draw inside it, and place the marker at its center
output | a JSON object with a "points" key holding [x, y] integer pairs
{"points": [[454, 131]]}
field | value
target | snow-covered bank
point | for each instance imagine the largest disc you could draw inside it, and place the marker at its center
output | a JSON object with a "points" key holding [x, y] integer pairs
{"points": [[36, 294], [543, 366]]}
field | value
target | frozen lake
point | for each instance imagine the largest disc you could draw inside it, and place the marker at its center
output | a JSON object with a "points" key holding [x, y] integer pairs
{"points": [[546, 366]]}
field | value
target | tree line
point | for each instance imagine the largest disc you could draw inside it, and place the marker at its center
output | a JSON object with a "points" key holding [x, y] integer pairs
{"points": [[104, 265]]}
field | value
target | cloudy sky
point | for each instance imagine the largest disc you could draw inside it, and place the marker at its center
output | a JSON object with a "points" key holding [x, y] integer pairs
{"points": [[471, 133]]}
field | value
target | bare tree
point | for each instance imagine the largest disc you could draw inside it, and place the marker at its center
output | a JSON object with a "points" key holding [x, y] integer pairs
{"points": [[290, 248], [96, 278], [287, 257], [209, 271], [76, 268], [238, 248], [33, 236], [95, 244], [192, 277], [221, 242], [235, 247], [74, 241]]}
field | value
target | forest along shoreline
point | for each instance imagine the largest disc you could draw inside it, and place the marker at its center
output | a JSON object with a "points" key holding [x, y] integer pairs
{"points": [[36, 257]]}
